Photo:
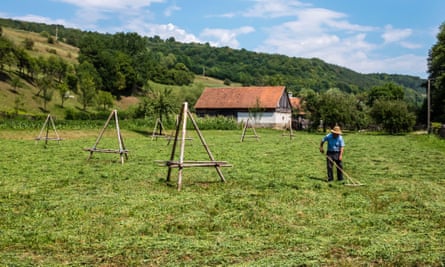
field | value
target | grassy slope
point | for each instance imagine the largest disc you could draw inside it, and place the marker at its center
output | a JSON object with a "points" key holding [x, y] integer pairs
{"points": [[275, 210], [26, 92]]}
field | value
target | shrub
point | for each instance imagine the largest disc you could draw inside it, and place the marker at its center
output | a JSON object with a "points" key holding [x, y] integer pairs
{"points": [[393, 116]]}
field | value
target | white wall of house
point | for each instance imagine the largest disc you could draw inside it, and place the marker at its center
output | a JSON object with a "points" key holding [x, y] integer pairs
{"points": [[267, 119]]}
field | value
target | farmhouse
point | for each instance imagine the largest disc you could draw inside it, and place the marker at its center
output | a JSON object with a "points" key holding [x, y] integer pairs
{"points": [[268, 106], [299, 120]]}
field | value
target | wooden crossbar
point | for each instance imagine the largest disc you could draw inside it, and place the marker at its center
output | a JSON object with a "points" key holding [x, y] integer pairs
{"points": [[106, 150], [48, 138], [184, 164]]}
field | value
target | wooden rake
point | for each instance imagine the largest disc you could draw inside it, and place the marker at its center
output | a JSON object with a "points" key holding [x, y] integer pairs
{"points": [[352, 182]]}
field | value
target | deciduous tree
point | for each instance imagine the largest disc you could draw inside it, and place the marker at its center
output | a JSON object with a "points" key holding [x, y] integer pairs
{"points": [[393, 116], [436, 70]]}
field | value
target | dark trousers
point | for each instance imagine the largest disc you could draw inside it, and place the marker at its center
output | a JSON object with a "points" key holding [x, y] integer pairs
{"points": [[330, 159]]}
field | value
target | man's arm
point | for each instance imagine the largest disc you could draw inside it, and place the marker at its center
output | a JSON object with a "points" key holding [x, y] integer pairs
{"points": [[321, 147], [341, 153]]}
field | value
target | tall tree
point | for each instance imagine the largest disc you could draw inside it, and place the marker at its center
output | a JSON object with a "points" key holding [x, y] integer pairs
{"points": [[388, 91], [87, 83], [104, 100], [436, 70], [6, 51], [45, 85], [63, 92], [337, 107]]}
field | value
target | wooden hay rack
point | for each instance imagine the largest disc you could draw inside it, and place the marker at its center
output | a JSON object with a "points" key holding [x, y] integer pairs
{"points": [[181, 163], [46, 125], [288, 131], [122, 151], [249, 125]]}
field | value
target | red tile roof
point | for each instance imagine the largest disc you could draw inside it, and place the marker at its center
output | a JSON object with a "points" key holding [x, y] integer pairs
{"points": [[296, 105], [295, 102], [240, 97]]}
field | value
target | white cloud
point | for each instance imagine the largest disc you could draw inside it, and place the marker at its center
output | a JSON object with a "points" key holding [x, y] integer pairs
{"points": [[169, 10], [410, 45], [92, 12], [328, 35], [107, 5], [392, 35], [224, 37], [273, 9], [403, 64], [165, 31], [40, 19]]}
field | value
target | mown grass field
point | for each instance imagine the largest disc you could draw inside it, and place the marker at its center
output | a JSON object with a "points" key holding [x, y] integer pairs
{"points": [[57, 208]]}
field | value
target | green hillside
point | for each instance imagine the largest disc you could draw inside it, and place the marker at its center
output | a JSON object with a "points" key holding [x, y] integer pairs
{"points": [[128, 65], [19, 94]]}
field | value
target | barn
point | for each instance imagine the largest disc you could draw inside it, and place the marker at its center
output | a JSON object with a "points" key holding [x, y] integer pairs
{"points": [[268, 106]]}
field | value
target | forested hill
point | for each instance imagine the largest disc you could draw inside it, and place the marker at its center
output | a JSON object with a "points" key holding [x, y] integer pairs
{"points": [[230, 65], [253, 68]]}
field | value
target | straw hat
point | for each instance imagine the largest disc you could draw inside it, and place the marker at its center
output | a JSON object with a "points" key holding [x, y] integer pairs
{"points": [[336, 130]]}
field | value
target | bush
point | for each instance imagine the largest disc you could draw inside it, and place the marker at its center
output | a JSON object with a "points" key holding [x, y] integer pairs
{"points": [[393, 116]]}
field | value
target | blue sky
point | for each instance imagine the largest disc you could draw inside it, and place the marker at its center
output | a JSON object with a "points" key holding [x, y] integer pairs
{"points": [[368, 36]]}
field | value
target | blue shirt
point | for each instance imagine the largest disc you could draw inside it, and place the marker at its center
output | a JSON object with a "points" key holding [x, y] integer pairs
{"points": [[334, 144]]}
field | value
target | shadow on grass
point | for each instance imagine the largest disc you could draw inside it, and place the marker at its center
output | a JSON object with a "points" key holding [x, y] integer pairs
{"points": [[141, 132], [317, 178], [4, 76]]}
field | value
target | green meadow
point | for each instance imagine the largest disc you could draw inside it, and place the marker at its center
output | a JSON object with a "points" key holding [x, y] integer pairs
{"points": [[275, 209]]}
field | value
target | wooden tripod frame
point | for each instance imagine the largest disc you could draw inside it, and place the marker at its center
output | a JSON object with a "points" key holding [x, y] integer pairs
{"points": [[122, 150], [155, 135], [49, 119], [180, 135], [291, 134], [249, 125]]}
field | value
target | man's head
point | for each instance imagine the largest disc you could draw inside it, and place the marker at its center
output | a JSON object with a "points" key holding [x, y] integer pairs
{"points": [[336, 131]]}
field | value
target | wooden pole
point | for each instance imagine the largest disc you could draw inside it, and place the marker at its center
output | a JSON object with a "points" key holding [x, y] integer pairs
{"points": [[54, 127], [100, 134], [119, 137], [181, 152], [175, 140], [203, 142], [47, 129]]}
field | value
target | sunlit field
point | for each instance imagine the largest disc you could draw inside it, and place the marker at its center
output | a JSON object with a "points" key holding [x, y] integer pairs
{"points": [[275, 208]]}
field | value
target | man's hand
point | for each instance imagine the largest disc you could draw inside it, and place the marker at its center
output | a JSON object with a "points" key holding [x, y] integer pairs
{"points": [[321, 149]]}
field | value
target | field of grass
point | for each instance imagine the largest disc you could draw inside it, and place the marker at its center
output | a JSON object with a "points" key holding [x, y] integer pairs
{"points": [[57, 208]]}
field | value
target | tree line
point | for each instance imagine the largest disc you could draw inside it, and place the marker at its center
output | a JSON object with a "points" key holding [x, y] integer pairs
{"points": [[113, 65]]}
